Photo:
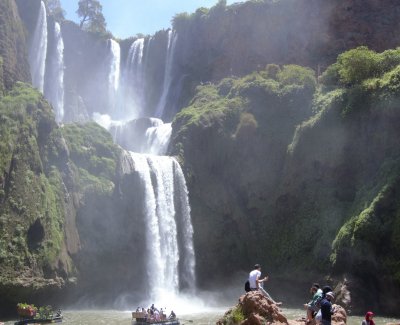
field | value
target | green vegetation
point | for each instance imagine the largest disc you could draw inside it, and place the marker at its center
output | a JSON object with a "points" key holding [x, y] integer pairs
{"points": [[32, 212], [237, 106], [94, 154], [234, 316]]}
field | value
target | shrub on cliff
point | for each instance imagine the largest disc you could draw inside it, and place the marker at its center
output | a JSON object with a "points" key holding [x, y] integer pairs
{"points": [[357, 65]]}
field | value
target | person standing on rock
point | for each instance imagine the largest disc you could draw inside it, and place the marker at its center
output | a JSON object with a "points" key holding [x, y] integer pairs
{"points": [[257, 284], [327, 309]]}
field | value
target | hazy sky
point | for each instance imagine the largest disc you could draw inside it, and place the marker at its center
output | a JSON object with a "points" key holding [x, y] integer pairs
{"points": [[128, 17]]}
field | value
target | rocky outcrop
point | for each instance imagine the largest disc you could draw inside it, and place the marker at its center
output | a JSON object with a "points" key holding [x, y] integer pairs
{"points": [[254, 309], [340, 316]]}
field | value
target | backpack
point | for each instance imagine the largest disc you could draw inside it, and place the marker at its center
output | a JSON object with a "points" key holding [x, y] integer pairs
{"points": [[247, 286]]}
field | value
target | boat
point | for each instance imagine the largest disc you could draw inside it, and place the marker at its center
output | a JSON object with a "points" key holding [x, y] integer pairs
{"points": [[29, 314], [57, 319], [142, 318]]}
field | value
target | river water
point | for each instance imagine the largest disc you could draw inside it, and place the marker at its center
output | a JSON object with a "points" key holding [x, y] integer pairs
{"points": [[205, 317]]}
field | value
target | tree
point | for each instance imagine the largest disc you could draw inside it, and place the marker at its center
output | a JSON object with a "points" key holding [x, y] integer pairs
{"points": [[90, 13], [54, 9]]}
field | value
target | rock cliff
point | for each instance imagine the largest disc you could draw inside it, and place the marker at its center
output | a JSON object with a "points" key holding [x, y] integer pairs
{"points": [[13, 46], [316, 186]]}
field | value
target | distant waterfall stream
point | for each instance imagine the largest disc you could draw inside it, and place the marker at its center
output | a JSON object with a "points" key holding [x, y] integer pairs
{"points": [[172, 37], [54, 83], [114, 73], [38, 49]]}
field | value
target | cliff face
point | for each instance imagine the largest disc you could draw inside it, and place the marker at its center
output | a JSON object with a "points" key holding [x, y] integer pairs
{"points": [[38, 231], [305, 182], [13, 49], [241, 38]]}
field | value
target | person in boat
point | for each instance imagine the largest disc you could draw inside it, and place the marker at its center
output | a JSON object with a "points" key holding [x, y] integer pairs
{"points": [[313, 305], [368, 319], [157, 316], [154, 308], [163, 316], [172, 315]]}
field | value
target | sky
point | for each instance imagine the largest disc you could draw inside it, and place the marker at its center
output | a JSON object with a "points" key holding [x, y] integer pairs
{"points": [[127, 18]]}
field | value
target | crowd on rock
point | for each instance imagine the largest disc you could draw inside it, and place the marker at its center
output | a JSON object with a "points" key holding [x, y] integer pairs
{"points": [[319, 309]]}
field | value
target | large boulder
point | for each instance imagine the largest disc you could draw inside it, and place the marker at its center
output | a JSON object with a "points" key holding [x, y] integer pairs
{"points": [[254, 308]]}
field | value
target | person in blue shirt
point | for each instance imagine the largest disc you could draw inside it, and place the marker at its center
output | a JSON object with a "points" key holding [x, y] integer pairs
{"points": [[327, 309]]}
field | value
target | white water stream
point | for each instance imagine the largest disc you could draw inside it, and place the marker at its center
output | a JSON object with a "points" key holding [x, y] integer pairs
{"points": [[54, 90], [38, 49]]}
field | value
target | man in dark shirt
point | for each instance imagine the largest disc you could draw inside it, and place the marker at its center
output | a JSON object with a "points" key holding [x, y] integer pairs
{"points": [[326, 308]]}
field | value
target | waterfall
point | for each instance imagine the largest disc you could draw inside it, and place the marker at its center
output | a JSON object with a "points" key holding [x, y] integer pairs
{"points": [[169, 233], [114, 72], [133, 80], [134, 61], [172, 37], [54, 90], [158, 138], [38, 49]]}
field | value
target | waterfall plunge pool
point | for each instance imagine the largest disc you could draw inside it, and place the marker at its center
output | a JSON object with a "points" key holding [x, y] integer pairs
{"points": [[206, 316]]}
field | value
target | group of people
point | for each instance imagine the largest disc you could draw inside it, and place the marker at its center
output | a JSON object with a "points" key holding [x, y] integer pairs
{"points": [[155, 314], [320, 306]]}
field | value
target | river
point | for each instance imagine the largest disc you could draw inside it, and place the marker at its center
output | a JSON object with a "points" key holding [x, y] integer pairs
{"points": [[205, 317]]}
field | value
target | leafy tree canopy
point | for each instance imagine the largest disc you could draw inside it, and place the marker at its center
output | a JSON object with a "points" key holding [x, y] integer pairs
{"points": [[90, 13], [54, 9]]}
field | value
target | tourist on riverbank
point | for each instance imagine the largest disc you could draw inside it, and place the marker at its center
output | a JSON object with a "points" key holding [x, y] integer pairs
{"points": [[327, 309], [368, 319], [313, 305]]}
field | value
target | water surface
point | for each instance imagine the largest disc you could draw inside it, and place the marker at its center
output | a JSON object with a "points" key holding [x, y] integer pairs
{"points": [[208, 317]]}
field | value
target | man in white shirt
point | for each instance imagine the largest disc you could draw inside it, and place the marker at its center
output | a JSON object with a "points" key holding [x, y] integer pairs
{"points": [[257, 284], [254, 278]]}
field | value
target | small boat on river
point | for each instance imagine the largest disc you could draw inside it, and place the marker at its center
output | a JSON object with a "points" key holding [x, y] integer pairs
{"points": [[143, 318], [29, 314], [57, 319]]}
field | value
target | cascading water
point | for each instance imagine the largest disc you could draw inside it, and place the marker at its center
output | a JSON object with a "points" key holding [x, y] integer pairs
{"points": [[158, 138], [169, 232], [160, 184], [133, 80], [172, 37], [54, 91], [114, 73], [38, 50]]}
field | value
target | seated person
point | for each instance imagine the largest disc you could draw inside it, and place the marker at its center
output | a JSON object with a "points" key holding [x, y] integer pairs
{"points": [[172, 315]]}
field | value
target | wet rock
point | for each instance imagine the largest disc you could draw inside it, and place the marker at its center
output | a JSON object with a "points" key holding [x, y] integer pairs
{"points": [[340, 315]]}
